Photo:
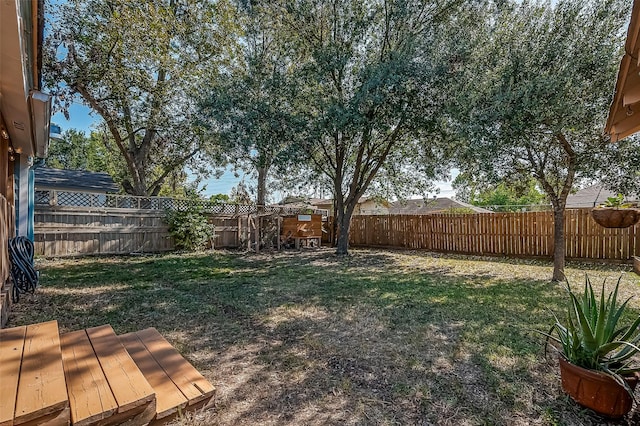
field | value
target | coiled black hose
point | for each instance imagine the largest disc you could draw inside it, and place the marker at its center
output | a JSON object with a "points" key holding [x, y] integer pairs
{"points": [[23, 273]]}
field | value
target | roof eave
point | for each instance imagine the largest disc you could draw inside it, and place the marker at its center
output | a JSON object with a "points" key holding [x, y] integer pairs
{"points": [[624, 113]]}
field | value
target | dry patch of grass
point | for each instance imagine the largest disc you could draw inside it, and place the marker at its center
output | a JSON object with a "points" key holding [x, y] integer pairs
{"points": [[380, 337]]}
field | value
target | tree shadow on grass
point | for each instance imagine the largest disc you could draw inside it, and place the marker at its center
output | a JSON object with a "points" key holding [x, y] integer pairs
{"points": [[316, 339]]}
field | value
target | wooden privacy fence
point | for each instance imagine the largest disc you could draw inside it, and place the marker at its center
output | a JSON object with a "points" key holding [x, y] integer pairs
{"points": [[527, 234], [61, 231], [76, 223], [78, 230], [64, 231]]}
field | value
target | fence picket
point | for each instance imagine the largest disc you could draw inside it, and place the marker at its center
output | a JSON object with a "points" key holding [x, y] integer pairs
{"points": [[528, 234], [76, 230]]}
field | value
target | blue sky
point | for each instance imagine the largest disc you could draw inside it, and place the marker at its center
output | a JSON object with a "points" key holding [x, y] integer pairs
{"points": [[81, 118]]}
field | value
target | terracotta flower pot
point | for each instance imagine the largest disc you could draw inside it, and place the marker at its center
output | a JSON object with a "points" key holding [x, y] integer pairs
{"points": [[615, 218], [596, 390]]}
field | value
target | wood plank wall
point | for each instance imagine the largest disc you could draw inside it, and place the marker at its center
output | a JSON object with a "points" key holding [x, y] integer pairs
{"points": [[62, 231], [6, 232], [228, 230], [72, 231], [507, 234]]}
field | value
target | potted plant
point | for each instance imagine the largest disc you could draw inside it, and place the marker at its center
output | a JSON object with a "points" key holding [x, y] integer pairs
{"points": [[615, 213], [596, 351]]}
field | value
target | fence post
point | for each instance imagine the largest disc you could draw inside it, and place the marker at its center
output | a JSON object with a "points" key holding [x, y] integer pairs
{"points": [[632, 239]]}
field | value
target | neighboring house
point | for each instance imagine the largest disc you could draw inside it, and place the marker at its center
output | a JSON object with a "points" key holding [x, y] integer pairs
{"points": [[371, 205], [298, 203], [377, 206], [588, 197], [48, 179], [591, 196], [433, 206], [366, 205], [322, 203], [25, 114], [72, 187]]}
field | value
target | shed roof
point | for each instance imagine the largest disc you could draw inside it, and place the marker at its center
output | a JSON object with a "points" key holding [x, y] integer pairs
{"points": [[73, 180]]}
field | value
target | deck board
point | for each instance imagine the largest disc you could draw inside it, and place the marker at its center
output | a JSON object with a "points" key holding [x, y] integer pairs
{"points": [[190, 382], [93, 377], [128, 384], [11, 347], [169, 399], [42, 387], [90, 396]]}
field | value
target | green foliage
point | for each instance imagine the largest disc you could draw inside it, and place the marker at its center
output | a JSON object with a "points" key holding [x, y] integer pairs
{"points": [[250, 108], [616, 202], [189, 228], [512, 195], [371, 78], [140, 67], [533, 98], [76, 151], [220, 198], [619, 170], [240, 194], [535, 95], [458, 210], [593, 337]]}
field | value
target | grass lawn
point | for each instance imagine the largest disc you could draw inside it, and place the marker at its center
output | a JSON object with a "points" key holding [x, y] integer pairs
{"points": [[380, 337]]}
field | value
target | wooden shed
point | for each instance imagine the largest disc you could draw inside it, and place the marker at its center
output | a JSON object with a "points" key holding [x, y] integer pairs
{"points": [[304, 230]]}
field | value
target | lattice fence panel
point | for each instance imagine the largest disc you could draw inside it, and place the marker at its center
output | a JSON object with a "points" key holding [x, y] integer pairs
{"points": [[85, 199], [42, 197]]}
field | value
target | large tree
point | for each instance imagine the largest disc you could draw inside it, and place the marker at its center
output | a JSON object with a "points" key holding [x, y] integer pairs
{"points": [[372, 79], [534, 98], [140, 66], [251, 110]]}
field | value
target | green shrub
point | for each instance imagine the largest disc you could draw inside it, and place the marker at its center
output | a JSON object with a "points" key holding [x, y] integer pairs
{"points": [[189, 228]]}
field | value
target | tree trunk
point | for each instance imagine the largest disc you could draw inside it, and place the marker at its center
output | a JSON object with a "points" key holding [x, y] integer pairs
{"points": [[343, 218], [334, 225], [344, 223], [558, 243], [262, 188]]}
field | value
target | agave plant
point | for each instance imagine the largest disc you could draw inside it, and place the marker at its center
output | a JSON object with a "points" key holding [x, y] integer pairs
{"points": [[592, 336]]}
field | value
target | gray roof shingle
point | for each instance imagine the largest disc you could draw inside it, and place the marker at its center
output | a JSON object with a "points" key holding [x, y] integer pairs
{"points": [[73, 180]]}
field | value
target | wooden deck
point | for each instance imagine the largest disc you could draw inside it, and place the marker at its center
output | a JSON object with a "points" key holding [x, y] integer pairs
{"points": [[103, 382], [94, 377], [178, 386], [33, 383]]}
